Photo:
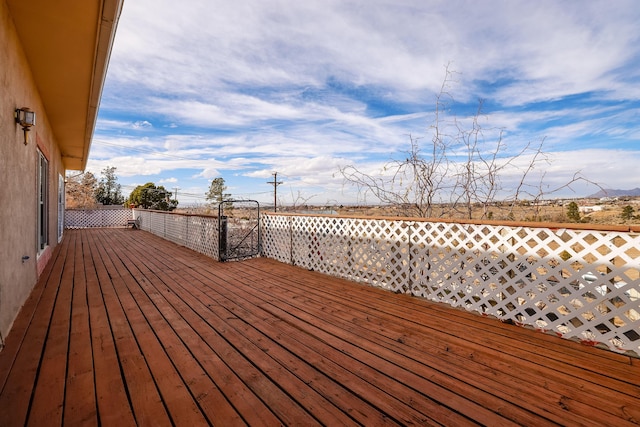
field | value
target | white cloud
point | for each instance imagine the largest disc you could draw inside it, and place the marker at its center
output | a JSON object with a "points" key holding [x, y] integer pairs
{"points": [[142, 124], [401, 45], [245, 88], [208, 173]]}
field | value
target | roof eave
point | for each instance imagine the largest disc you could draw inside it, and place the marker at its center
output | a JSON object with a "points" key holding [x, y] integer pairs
{"points": [[68, 45]]}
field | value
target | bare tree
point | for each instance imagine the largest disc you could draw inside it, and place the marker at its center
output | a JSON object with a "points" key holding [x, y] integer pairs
{"points": [[469, 182], [298, 201], [81, 191], [416, 183], [459, 169]]}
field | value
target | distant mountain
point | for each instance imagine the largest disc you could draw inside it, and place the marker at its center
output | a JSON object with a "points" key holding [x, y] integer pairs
{"points": [[615, 193]]}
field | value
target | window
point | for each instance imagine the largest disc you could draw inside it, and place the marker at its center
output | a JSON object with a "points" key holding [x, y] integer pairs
{"points": [[43, 202], [60, 206]]}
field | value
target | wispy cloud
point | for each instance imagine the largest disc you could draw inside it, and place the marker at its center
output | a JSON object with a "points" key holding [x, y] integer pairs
{"points": [[208, 88]]}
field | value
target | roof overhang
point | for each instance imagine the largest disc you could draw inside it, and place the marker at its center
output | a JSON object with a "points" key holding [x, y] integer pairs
{"points": [[68, 44]]}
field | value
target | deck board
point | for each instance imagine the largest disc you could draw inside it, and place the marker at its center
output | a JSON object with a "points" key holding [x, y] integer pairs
{"points": [[113, 405], [481, 366], [125, 328]]}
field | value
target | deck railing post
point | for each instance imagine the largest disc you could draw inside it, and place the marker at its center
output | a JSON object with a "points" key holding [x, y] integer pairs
{"points": [[410, 251], [290, 221]]}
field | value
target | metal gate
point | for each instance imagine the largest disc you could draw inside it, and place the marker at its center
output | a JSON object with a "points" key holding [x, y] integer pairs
{"points": [[239, 225]]}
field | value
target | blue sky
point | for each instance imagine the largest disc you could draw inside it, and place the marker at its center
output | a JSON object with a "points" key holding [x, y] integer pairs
{"points": [[200, 89]]}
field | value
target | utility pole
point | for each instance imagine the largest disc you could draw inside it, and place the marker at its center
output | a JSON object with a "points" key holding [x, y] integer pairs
{"points": [[176, 188], [275, 184]]}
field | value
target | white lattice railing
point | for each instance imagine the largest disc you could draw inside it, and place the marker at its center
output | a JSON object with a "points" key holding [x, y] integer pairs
{"points": [[197, 232], [89, 218], [579, 283]]}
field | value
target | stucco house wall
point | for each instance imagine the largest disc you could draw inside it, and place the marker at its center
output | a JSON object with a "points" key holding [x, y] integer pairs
{"points": [[20, 259], [53, 60]]}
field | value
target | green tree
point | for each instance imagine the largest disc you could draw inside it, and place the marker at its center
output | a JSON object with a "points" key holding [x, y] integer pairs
{"points": [[216, 193], [148, 196], [627, 213], [108, 191], [573, 212]]}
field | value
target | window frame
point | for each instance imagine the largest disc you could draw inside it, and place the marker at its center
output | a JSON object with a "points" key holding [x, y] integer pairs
{"points": [[42, 211], [61, 206]]}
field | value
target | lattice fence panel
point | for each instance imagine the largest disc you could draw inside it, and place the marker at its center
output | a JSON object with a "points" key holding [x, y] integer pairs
{"points": [[276, 237], [370, 251], [89, 218], [336, 249], [321, 244], [380, 253], [304, 235], [580, 284]]}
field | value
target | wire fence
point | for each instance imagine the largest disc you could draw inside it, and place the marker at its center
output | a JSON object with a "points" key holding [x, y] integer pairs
{"points": [[197, 232]]}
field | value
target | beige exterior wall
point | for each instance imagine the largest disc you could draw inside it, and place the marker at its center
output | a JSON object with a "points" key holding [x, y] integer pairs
{"points": [[18, 178]]}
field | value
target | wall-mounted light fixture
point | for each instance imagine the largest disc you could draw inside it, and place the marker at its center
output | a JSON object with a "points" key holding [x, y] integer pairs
{"points": [[25, 118]]}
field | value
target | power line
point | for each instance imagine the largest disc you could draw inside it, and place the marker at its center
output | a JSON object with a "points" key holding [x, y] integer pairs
{"points": [[252, 194]]}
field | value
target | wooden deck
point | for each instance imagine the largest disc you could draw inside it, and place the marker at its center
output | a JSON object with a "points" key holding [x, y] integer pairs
{"points": [[125, 328]]}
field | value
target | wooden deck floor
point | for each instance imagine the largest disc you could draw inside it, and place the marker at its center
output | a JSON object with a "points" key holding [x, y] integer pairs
{"points": [[125, 328]]}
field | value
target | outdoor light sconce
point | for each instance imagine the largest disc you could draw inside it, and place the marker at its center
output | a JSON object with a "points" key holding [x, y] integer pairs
{"points": [[25, 118]]}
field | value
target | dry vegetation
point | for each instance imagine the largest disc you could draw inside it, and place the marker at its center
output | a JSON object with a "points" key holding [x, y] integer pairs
{"points": [[609, 213], [592, 211]]}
